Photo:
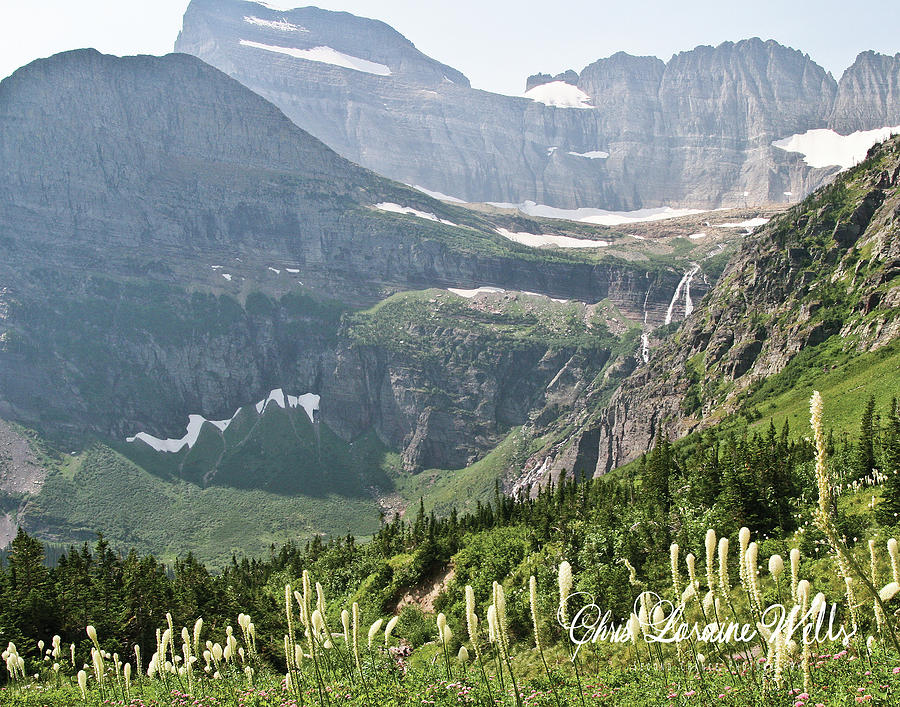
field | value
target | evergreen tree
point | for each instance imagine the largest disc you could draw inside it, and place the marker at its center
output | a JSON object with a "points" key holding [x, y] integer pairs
{"points": [[865, 461], [888, 511]]}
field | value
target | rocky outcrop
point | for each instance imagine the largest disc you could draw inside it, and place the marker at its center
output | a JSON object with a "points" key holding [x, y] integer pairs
{"points": [[827, 266], [174, 245], [695, 131], [868, 94]]}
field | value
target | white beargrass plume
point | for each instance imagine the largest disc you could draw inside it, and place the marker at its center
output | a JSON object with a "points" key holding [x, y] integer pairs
{"points": [[776, 567], [894, 554], [92, 634], [743, 542], [500, 603], [373, 629], [345, 624], [72, 653], [779, 658], [82, 684], [632, 573], [127, 672], [795, 572], [97, 662], [803, 590], [565, 589], [691, 563], [533, 605], [471, 617], [472, 622], [463, 655], [709, 605], [198, 627], [56, 647], [879, 614], [658, 618], [644, 615], [724, 581], [889, 591], [304, 615], [851, 602], [752, 572], [307, 593], [492, 623], [710, 541], [289, 638], [320, 599], [443, 630], [673, 566], [823, 481], [389, 629], [634, 628]]}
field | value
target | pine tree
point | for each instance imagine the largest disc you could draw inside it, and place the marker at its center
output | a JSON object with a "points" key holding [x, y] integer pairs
{"points": [[865, 461], [888, 511]]}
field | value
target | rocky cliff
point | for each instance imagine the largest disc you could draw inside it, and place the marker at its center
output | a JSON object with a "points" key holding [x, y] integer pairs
{"points": [[868, 94], [174, 245], [695, 131], [826, 271]]}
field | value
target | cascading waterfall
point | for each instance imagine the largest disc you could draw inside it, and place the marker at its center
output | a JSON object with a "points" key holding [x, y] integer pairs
{"points": [[645, 337], [683, 285], [688, 303]]}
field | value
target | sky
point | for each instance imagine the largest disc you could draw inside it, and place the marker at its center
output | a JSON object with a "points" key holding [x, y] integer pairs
{"points": [[496, 43]]}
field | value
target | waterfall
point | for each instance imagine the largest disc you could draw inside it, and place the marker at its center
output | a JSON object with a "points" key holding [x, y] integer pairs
{"points": [[645, 338], [685, 285], [688, 303]]}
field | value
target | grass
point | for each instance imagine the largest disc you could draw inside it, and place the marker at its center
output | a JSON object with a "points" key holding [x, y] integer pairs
{"points": [[270, 488], [443, 489]]}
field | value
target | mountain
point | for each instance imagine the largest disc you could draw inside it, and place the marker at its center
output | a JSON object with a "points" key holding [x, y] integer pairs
{"points": [[175, 249], [811, 300], [625, 133]]}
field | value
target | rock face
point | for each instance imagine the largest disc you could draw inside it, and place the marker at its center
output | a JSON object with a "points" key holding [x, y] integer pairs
{"points": [[827, 266], [868, 94], [696, 131], [174, 245]]}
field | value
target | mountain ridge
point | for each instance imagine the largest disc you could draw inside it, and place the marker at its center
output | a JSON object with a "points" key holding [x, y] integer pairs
{"points": [[695, 131]]}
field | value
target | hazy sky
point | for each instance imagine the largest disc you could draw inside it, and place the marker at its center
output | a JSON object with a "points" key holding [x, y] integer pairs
{"points": [[496, 43]]}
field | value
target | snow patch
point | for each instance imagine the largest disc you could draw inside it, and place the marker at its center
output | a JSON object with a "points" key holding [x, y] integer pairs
{"points": [[554, 299], [397, 209], [277, 6], [226, 275], [469, 294], [697, 236], [637, 238], [592, 155], [279, 25], [275, 270], [749, 224], [292, 271], [308, 401], [438, 195], [827, 148], [559, 94], [600, 217], [535, 240], [324, 55]]}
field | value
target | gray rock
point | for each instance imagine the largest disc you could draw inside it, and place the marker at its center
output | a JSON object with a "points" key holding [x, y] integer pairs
{"points": [[695, 131]]}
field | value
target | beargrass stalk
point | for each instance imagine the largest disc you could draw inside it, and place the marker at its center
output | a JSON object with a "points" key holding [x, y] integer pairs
{"points": [[565, 582], [824, 517], [535, 622], [472, 627]]}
